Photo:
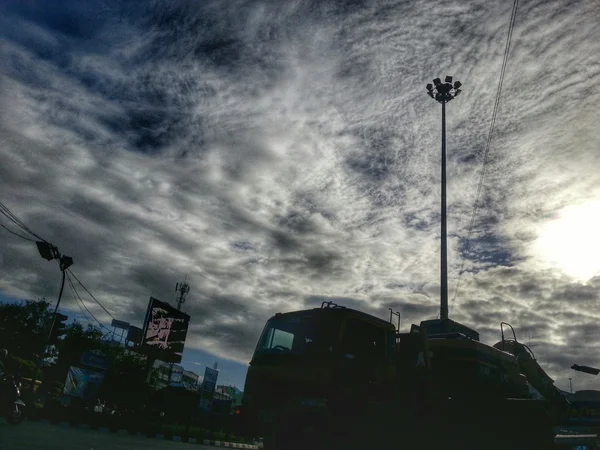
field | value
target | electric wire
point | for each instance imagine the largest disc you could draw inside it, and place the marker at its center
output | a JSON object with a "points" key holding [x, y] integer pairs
{"points": [[83, 303], [80, 301], [91, 295], [5, 211], [15, 233], [488, 142], [77, 299]]}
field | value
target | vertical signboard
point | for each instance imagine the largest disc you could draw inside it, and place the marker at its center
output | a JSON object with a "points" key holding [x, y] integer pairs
{"points": [[209, 385], [165, 330], [82, 383]]}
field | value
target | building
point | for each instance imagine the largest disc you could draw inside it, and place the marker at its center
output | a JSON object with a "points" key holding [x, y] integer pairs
{"points": [[190, 380], [231, 394], [158, 377]]}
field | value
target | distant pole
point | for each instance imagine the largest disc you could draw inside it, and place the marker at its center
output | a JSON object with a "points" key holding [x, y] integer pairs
{"points": [[443, 93], [571, 385], [392, 313]]}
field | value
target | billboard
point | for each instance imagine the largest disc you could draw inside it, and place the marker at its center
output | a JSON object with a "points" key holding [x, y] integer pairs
{"points": [[94, 358], [165, 330], [82, 383], [209, 385], [584, 413], [119, 324]]}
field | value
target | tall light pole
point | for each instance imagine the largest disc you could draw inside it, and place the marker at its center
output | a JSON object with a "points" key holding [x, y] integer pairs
{"points": [[443, 93]]}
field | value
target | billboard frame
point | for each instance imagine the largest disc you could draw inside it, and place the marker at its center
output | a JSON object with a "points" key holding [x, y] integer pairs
{"points": [[162, 354]]}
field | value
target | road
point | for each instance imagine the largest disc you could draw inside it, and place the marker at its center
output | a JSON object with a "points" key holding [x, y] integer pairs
{"points": [[43, 436]]}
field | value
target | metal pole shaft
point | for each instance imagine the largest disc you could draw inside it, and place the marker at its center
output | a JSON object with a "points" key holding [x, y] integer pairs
{"points": [[444, 249], [39, 360], [62, 286]]}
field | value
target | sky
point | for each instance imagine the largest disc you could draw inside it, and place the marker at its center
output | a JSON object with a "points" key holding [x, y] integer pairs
{"points": [[279, 154]]}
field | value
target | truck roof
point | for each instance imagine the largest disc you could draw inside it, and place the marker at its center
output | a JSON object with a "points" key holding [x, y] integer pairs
{"points": [[342, 311]]}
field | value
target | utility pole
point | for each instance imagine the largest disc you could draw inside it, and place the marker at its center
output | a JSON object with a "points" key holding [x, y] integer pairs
{"points": [[50, 252], [443, 93], [392, 313]]}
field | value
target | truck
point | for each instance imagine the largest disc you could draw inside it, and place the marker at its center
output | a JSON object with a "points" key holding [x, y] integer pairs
{"points": [[335, 377]]}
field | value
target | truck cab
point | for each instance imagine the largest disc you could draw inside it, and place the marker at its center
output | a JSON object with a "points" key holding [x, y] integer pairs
{"points": [[310, 364]]}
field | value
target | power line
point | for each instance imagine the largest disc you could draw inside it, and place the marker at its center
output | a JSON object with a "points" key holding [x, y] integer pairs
{"points": [[80, 301], [83, 303], [16, 234], [5, 211], [77, 298], [91, 295], [511, 26], [12, 220]]}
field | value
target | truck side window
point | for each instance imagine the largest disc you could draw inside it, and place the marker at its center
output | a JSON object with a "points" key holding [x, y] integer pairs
{"points": [[363, 340]]}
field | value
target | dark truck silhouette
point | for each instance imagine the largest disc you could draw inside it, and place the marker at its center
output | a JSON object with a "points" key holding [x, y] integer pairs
{"points": [[334, 377]]}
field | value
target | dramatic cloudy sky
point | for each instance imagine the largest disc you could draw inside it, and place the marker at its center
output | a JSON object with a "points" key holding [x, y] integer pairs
{"points": [[280, 153]]}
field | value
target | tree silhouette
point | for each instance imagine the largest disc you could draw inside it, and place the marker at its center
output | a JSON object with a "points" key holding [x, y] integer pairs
{"points": [[24, 327]]}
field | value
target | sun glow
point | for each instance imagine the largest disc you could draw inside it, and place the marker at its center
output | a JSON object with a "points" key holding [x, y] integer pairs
{"points": [[571, 241]]}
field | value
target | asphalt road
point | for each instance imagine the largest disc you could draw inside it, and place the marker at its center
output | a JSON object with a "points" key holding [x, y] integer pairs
{"points": [[42, 436]]}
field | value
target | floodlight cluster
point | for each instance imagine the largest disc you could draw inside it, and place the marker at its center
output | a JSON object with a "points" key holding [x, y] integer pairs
{"points": [[444, 92]]}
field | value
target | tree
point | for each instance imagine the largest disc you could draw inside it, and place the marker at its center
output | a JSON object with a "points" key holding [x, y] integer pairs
{"points": [[124, 382], [76, 340], [24, 327]]}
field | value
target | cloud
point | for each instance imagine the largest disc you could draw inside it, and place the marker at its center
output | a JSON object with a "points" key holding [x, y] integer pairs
{"points": [[281, 155]]}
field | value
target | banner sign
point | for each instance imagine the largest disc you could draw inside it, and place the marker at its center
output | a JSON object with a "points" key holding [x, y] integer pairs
{"points": [[119, 324], [82, 383], [177, 376], [94, 358], [209, 385], [584, 413], [165, 330]]}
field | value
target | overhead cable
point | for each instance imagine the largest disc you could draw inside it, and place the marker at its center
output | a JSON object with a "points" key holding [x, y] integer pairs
{"points": [[511, 26]]}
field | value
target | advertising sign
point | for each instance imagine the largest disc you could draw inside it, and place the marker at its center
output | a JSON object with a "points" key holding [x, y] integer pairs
{"points": [[82, 383], [94, 358], [177, 376], [119, 324], [209, 385], [165, 330], [584, 413]]}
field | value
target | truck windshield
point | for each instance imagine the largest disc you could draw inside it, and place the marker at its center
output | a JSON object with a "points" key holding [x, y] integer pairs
{"points": [[297, 334]]}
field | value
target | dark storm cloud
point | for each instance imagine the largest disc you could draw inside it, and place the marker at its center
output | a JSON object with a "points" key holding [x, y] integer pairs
{"points": [[285, 154]]}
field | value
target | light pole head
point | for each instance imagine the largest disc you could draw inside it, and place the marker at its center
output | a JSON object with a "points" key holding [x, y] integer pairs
{"points": [[444, 92]]}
